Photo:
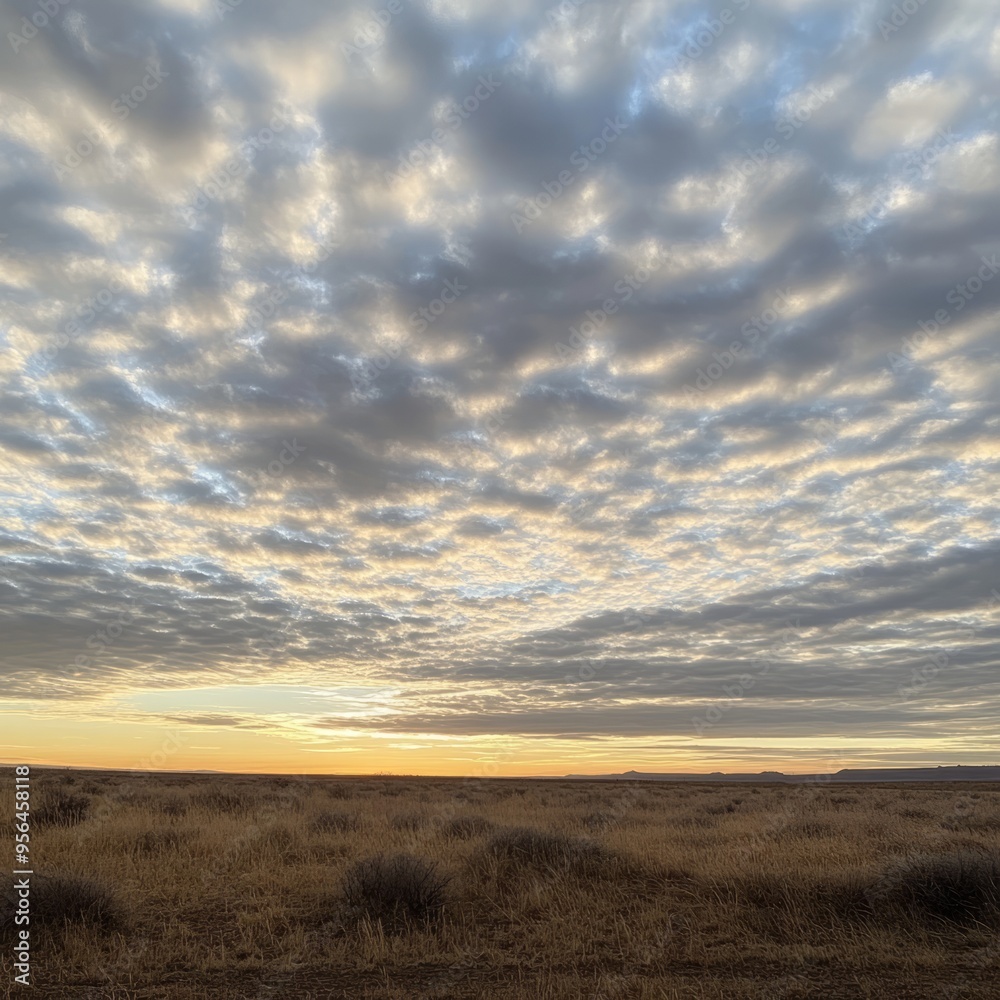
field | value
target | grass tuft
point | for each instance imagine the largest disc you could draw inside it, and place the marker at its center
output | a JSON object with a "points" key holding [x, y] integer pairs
{"points": [[958, 886], [395, 890], [58, 901], [61, 808], [331, 821]]}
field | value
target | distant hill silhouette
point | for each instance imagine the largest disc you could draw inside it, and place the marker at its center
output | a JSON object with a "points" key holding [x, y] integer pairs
{"points": [[956, 772]]}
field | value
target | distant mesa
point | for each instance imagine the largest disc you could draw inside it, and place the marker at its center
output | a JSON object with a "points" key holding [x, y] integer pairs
{"points": [[942, 772]]}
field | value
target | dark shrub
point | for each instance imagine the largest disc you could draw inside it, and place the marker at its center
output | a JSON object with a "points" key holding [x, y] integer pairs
{"points": [[770, 898], [395, 889], [547, 851], [137, 799], [60, 808], [223, 801], [65, 899], [598, 822], [334, 822], [720, 808], [408, 821], [961, 886], [173, 807], [466, 827], [340, 792]]}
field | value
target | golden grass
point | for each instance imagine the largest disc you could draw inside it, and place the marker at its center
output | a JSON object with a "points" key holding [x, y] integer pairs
{"points": [[231, 886]]}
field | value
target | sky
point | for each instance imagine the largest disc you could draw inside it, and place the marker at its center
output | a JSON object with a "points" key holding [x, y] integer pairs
{"points": [[441, 387]]}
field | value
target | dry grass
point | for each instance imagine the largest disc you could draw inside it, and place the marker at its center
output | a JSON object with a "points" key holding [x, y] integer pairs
{"points": [[389, 888]]}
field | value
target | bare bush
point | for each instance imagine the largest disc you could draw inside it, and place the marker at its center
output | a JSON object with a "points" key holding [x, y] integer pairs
{"points": [[395, 889], [410, 821], [61, 900], [225, 801], [61, 808], [466, 827], [547, 851], [334, 822], [959, 886]]}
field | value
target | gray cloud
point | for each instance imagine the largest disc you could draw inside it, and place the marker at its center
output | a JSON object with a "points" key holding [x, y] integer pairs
{"points": [[225, 408]]}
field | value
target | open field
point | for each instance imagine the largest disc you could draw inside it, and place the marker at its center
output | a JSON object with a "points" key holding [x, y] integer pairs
{"points": [[233, 886]]}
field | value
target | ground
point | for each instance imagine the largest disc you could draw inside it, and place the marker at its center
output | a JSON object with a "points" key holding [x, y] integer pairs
{"points": [[234, 886]]}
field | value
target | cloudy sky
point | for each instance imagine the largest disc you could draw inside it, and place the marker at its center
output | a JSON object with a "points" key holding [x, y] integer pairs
{"points": [[440, 386]]}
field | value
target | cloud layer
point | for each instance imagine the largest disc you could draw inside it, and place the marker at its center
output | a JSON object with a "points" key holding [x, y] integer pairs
{"points": [[542, 372]]}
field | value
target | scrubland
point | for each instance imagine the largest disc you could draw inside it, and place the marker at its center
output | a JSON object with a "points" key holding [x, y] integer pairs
{"points": [[392, 888]]}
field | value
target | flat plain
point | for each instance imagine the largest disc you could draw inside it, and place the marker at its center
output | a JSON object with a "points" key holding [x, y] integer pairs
{"points": [[384, 887]]}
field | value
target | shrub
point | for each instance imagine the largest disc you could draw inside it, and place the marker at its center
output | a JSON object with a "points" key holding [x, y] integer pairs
{"points": [[339, 792], [959, 886], [60, 808], [395, 889], [720, 808], [220, 800], [466, 827], [407, 821], [773, 899], [334, 822], [59, 900], [598, 822], [173, 807], [547, 851]]}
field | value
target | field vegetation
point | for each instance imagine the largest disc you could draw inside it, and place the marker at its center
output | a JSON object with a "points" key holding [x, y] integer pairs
{"points": [[390, 888]]}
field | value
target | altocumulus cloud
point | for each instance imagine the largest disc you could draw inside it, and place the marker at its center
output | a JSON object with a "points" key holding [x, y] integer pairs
{"points": [[483, 518]]}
